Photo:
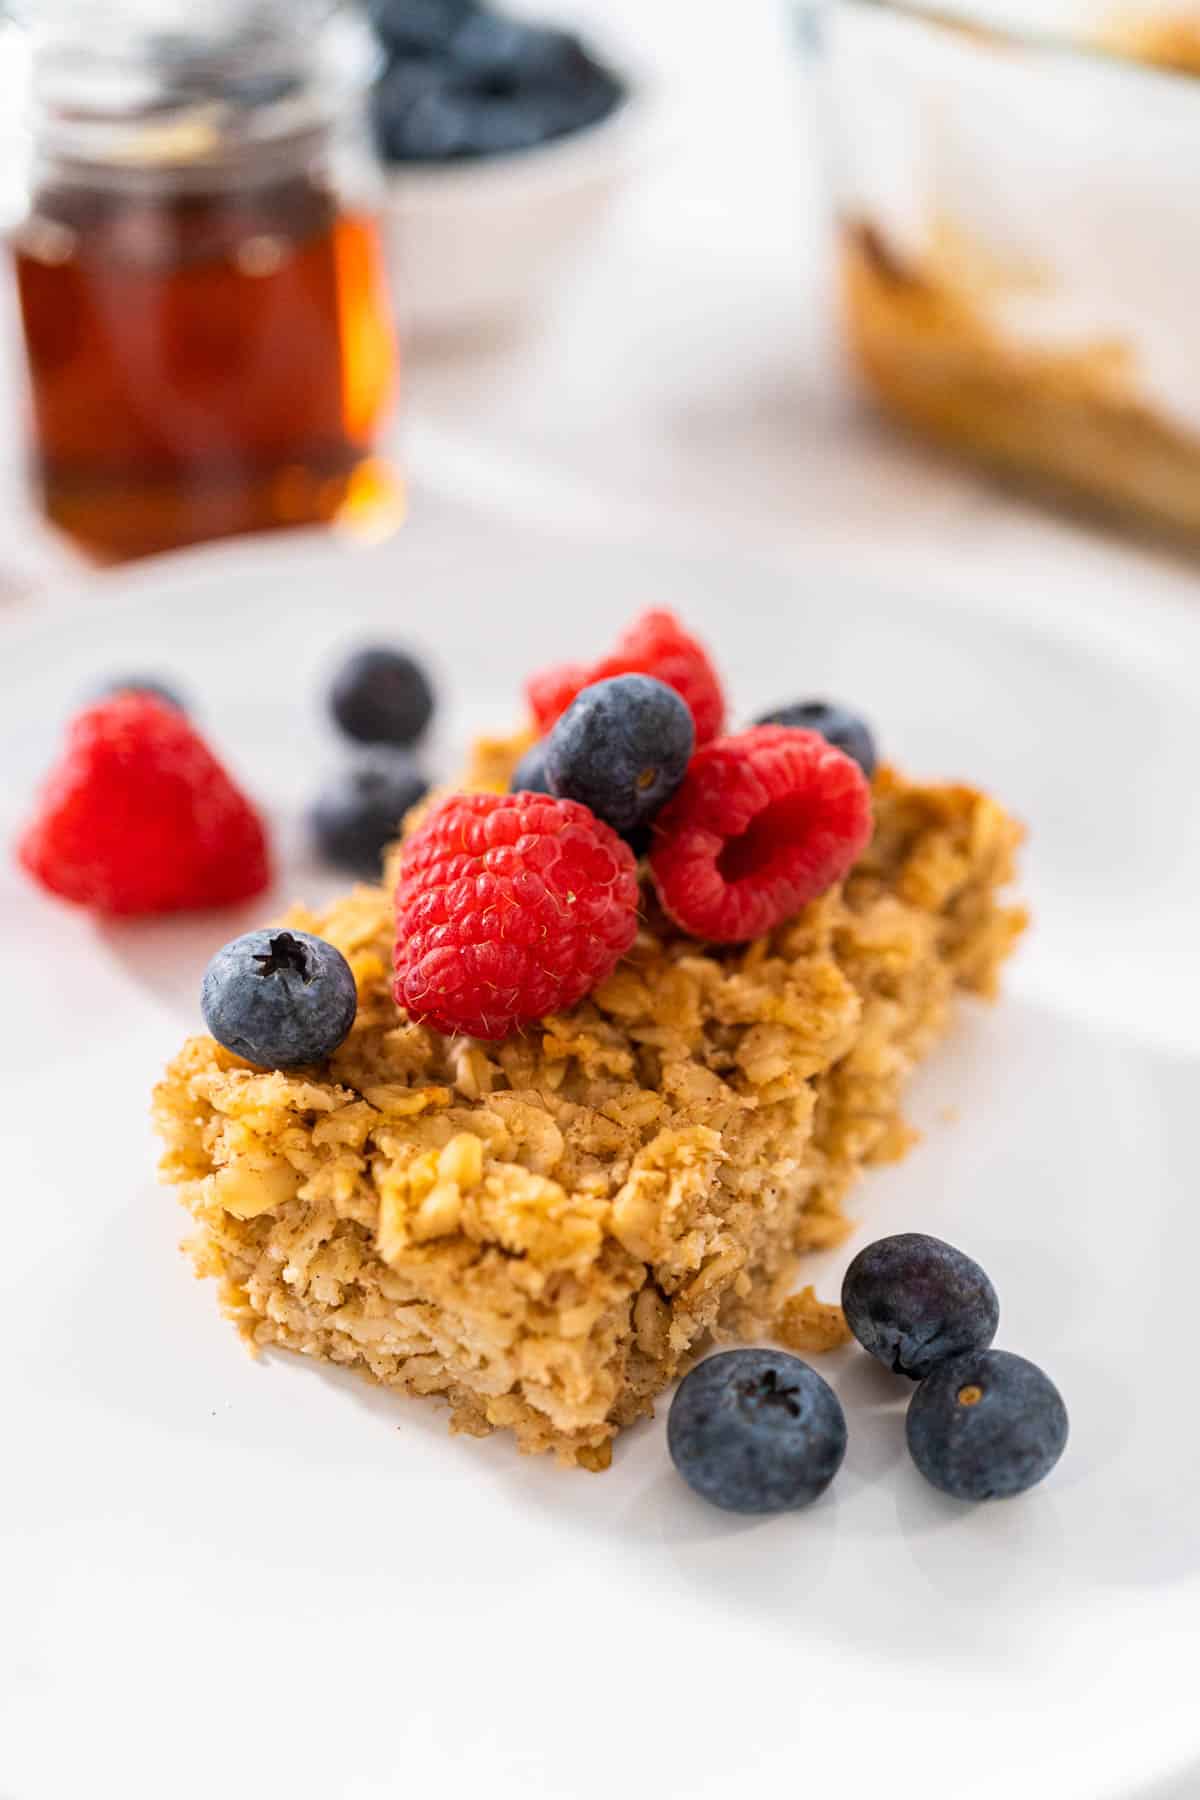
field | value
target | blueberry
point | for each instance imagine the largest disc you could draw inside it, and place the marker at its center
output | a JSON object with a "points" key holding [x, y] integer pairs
{"points": [[756, 1431], [502, 50], [418, 27], [564, 107], [511, 53], [279, 998], [912, 1301], [381, 696], [835, 723], [358, 813], [417, 114], [529, 776], [140, 684], [427, 113], [480, 84], [986, 1425], [621, 748], [496, 127]]}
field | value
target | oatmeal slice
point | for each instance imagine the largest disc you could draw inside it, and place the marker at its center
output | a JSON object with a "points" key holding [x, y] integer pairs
{"points": [[546, 1230]]}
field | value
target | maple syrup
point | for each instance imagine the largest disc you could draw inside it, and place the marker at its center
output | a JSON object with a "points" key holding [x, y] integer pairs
{"points": [[205, 311]]}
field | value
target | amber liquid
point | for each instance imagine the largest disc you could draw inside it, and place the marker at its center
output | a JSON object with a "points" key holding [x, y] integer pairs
{"points": [[203, 363]]}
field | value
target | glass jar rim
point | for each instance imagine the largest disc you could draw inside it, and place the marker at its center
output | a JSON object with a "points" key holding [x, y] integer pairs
{"points": [[146, 105]]}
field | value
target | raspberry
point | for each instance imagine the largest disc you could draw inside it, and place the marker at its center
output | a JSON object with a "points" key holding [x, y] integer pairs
{"points": [[551, 691], [836, 724], [657, 645], [763, 823], [509, 907], [140, 817]]}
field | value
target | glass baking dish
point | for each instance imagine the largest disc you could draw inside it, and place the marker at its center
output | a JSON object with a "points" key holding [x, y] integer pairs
{"points": [[1019, 234]]}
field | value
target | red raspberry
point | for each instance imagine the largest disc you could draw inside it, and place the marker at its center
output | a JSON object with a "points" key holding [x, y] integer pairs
{"points": [[763, 823], [551, 691], [140, 817], [656, 644], [509, 907]]}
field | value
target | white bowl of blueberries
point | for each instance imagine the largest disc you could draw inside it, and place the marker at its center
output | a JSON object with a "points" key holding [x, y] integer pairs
{"points": [[505, 143]]}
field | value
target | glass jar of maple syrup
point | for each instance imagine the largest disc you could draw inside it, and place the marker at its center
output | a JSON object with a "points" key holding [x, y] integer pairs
{"points": [[205, 312]]}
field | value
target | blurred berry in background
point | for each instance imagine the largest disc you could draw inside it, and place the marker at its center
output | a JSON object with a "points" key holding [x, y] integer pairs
{"points": [[461, 80]]}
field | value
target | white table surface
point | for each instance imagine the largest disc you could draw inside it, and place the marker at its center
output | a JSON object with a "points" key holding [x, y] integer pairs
{"points": [[686, 373]]}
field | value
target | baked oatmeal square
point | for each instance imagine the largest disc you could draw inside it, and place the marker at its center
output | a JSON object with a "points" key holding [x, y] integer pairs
{"points": [[546, 1230]]}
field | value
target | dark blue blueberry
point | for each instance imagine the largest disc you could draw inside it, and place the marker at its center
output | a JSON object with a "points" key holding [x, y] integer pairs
{"points": [[419, 115], [756, 1431], [511, 54], [621, 748], [279, 998], [140, 684], [358, 813], [501, 51], [496, 126], [986, 1425], [381, 696], [835, 723], [487, 86], [418, 27], [529, 776], [912, 1300], [565, 107]]}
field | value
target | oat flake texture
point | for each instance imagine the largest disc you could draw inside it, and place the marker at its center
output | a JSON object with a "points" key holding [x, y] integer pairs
{"points": [[544, 1230]]}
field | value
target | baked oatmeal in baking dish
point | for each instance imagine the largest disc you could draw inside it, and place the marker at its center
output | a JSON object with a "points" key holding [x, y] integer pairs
{"points": [[1009, 290]]}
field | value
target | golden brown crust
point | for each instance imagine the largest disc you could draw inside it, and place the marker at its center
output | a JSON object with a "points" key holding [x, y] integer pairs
{"points": [[1068, 420], [546, 1230]]}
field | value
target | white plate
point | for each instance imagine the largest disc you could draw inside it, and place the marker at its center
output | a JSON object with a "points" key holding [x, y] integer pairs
{"points": [[229, 1578]]}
